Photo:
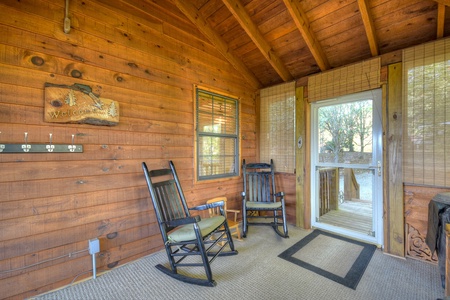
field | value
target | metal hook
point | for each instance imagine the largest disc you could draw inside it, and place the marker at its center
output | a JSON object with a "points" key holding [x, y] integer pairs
{"points": [[26, 147], [2, 146], [50, 147], [72, 147]]}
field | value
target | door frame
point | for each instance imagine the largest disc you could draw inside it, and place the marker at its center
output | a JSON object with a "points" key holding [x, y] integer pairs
{"points": [[377, 97]]}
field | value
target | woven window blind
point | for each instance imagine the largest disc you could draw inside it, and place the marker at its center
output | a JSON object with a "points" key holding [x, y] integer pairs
{"points": [[426, 115], [354, 78], [277, 126], [217, 130]]}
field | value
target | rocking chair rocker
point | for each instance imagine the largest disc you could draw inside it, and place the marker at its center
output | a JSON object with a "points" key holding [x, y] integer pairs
{"points": [[197, 240]]}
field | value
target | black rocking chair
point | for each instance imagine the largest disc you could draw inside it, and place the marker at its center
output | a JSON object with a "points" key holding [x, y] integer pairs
{"points": [[197, 240], [260, 200]]}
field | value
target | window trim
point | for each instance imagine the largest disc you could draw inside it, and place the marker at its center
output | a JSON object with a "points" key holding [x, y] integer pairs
{"points": [[204, 179]]}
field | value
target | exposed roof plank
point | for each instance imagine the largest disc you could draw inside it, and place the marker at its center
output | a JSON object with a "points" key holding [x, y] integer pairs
{"points": [[368, 26], [440, 21], [193, 14], [302, 23], [307, 36], [253, 32], [444, 2]]}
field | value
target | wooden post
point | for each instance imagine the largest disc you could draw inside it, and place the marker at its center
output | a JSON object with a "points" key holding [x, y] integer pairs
{"points": [[447, 260], [393, 203], [303, 210]]}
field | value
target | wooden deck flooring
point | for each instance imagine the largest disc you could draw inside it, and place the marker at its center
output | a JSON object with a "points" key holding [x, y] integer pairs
{"points": [[352, 215]]}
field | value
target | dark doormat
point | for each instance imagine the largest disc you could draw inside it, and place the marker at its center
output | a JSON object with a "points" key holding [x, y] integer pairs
{"points": [[335, 257]]}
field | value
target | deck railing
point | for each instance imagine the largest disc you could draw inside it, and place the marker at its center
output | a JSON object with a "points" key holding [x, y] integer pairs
{"points": [[329, 188], [351, 185]]}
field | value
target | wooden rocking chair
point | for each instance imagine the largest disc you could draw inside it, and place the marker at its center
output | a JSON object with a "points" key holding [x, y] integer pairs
{"points": [[197, 240], [260, 200]]}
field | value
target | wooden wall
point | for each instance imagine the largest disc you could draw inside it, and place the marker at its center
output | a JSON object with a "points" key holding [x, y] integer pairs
{"points": [[147, 58], [417, 199], [286, 183]]}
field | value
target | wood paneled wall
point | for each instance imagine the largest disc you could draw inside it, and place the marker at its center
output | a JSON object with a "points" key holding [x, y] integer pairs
{"points": [[417, 199], [286, 183], [147, 58]]}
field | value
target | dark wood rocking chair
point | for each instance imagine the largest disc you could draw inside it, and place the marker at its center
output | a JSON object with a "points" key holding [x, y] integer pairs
{"points": [[260, 200], [197, 240]]}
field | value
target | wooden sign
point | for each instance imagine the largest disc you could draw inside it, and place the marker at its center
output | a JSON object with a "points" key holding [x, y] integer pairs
{"points": [[78, 104]]}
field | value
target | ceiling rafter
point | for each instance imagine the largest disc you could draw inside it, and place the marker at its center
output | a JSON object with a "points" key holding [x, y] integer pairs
{"points": [[444, 2], [192, 13], [440, 21], [256, 36], [368, 26], [302, 23]]}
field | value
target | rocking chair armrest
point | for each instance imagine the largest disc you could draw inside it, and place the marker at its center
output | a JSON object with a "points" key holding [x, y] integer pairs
{"points": [[279, 194], [183, 221], [235, 212]]}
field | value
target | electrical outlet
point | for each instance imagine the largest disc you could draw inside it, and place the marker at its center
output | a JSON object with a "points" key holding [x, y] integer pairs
{"points": [[94, 246]]}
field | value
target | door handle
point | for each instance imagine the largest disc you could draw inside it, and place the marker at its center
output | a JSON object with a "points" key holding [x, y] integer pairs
{"points": [[378, 167]]}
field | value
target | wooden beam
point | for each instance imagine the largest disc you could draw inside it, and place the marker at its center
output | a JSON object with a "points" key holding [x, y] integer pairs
{"points": [[192, 13], [443, 2], [394, 224], [302, 23], [241, 15], [440, 21], [303, 203], [368, 26]]}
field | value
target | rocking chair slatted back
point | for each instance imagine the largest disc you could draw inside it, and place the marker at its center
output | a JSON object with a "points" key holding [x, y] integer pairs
{"points": [[169, 198], [260, 187]]}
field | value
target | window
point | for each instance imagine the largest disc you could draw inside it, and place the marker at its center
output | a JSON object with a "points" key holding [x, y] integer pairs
{"points": [[426, 90], [217, 133]]}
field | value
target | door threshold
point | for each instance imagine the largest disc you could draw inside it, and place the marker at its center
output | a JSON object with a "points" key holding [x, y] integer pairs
{"points": [[357, 236]]}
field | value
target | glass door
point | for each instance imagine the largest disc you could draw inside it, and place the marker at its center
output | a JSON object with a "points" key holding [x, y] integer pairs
{"points": [[346, 190]]}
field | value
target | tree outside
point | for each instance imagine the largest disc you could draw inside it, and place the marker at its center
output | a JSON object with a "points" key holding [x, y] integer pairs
{"points": [[345, 128]]}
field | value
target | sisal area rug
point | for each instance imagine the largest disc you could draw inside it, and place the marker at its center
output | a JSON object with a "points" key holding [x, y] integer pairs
{"points": [[334, 257]]}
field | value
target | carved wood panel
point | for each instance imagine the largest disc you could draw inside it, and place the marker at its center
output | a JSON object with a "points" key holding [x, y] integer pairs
{"points": [[416, 246]]}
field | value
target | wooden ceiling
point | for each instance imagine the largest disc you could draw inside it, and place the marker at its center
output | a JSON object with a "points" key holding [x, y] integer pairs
{"points": [[274, 41]]}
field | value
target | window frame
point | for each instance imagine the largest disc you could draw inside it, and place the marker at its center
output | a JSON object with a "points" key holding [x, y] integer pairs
{"points": [[198, 134]]}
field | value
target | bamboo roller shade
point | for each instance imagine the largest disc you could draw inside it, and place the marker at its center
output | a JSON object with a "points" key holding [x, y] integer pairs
{"points": [[426, 114], [277, 126], [346, 80]]}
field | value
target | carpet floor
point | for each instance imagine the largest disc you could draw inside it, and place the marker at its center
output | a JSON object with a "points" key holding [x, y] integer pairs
{"points": [[258, 272]]}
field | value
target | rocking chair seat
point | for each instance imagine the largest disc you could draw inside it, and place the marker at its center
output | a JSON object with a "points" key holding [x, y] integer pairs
{"points": [[187, 232], [262, 205]]}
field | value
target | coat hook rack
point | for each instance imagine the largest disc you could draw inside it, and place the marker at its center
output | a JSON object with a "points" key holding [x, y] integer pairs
{"points": [[41, 148]]}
